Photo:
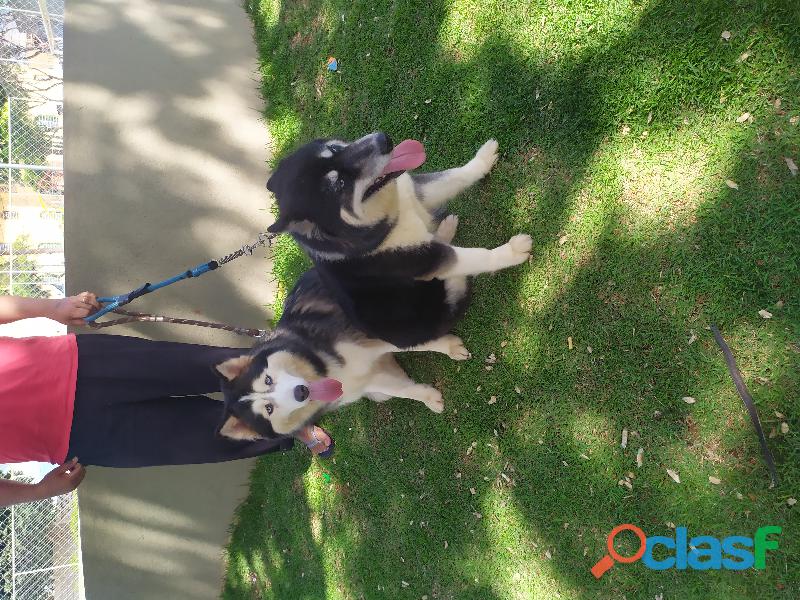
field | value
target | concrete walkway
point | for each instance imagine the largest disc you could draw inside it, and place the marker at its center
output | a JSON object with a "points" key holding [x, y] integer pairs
{"points": [[165, 168]]}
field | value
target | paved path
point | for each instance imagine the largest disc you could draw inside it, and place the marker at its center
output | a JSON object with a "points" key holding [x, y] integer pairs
{"points": [[165, 168]]}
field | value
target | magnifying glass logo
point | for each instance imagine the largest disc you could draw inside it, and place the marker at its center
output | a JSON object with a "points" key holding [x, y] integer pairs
{"points": [[605, 563]]}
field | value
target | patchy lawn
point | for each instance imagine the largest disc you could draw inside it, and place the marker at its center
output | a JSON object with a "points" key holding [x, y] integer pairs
{"points": [[643, 145]]}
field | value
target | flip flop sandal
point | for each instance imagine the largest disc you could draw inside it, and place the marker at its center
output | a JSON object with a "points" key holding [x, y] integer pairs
{"points": [[327, 453]]}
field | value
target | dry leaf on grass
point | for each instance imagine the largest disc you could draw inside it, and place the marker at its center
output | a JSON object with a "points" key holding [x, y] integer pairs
{"points": [[624, 443], [517, 389], [743, 57], [640, 457], [472, 491], [569, 342], [405, 584], [780, 415], [547, 554], [726, 35], [675, 477], [791, 165], [493, 399], [732, 184], [692, 338], [794, 120], [626, 483], [562, 240], [689, 400], [743, 117], [765, 314], [491, 359], [791, 501], [784, 427], [739, 496], [714, 480]]}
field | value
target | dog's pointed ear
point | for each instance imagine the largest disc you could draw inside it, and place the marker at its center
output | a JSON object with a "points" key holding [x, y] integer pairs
{"points": [[279, 226], [234, 429], [233, 367]]}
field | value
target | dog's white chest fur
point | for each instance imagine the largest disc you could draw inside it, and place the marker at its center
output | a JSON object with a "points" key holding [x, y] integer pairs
{"points": [[413, 222], [360, 363]]}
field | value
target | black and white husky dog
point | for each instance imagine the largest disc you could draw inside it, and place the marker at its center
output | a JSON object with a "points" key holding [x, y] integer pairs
{"points": [[315, 361], [369, 226], [386, 279]]}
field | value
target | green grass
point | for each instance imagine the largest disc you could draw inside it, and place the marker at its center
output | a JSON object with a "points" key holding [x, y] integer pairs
{"points": [[618, 129]]}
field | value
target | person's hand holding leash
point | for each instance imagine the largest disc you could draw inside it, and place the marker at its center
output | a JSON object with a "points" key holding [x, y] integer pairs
{"points": [[69, 311], [72, 310]]}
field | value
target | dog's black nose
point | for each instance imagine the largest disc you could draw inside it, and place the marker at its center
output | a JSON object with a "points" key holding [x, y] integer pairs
{"points": [[300, 393], [384, 143]]}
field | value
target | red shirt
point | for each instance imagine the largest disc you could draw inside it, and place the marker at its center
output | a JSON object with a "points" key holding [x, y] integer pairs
{"points": [[37, 394]]}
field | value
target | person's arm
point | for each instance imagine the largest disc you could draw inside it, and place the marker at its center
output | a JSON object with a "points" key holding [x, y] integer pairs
{"points": [[61, 480], [69, 311]]}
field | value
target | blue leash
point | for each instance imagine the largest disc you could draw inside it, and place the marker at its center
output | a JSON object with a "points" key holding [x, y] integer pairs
{"points": [[114, 302]]}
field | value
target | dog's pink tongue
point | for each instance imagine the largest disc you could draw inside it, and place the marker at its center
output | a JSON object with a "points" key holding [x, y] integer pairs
{"points": [[325, 390], [407, 155]]}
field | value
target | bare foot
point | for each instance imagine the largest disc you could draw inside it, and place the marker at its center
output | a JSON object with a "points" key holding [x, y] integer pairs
{"points": [[315, 438]]}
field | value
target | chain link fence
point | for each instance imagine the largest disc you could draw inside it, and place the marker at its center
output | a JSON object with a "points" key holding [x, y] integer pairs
{"points": [[40, 550], [31, 148], [40, 555]]}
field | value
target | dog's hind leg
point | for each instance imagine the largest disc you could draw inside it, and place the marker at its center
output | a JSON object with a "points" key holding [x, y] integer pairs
{"points": [[391, 380], [434, 189]]}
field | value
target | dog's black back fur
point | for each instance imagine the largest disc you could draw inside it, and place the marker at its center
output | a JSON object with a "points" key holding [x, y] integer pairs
{"points": [[380, 295]]}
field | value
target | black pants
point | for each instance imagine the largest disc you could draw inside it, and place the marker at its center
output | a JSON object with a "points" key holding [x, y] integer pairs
{"points": [[140, 403]]}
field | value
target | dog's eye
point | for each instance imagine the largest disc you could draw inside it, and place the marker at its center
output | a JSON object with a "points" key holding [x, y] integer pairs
{"points": [[335, 149], [269, 408], [268, 380]]}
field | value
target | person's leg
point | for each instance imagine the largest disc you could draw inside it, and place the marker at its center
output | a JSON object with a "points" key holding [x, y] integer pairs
{"points": [[130, 368], [159, 431]]}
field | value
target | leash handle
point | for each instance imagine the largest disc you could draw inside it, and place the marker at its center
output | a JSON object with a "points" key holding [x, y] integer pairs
{"points": [[114, 302]]}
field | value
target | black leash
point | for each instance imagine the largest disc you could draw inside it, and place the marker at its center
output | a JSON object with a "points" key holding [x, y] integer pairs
{"points": [[748, 402]]}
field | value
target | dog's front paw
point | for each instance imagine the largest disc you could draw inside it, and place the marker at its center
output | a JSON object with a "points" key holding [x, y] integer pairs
{"points": [[456, 349], [447, 229], [520, 245], [432, 398], [485, 158]]}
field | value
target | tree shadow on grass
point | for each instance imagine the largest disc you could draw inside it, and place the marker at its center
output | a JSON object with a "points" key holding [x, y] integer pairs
{"points": [[403, 480]]}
